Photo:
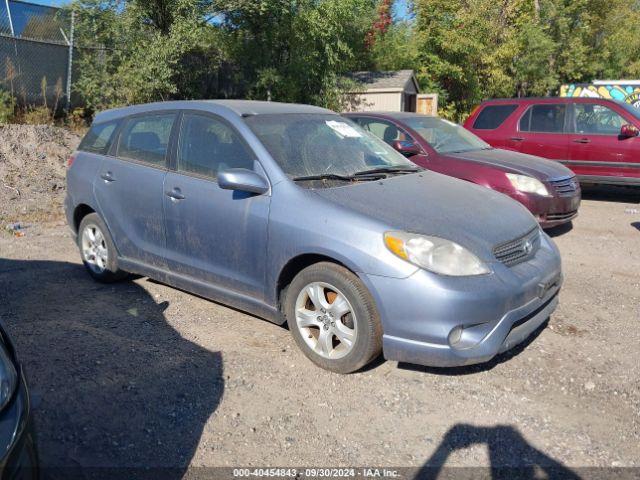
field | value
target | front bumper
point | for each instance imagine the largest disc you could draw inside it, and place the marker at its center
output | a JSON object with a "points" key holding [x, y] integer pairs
{"points": [[553, 210], [511, 330], [494, 312]]}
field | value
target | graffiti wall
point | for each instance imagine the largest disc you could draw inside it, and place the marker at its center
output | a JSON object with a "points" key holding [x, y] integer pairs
{"points": [[621, 92]]}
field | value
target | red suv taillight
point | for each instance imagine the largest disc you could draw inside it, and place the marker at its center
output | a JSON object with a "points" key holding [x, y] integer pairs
{"points": [[70, 160]]}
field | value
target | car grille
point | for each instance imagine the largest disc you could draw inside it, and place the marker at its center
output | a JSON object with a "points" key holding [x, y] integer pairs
{"points": [[565, 187], [561, 216], [518, 250]]}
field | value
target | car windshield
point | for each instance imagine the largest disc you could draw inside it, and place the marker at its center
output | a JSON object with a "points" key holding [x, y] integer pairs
{"points": [[445, 136], [635, 111], [306, 145]]}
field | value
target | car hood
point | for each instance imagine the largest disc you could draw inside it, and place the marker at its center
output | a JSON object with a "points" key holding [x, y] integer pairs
{"points": [[433, 204], [515, 162]]}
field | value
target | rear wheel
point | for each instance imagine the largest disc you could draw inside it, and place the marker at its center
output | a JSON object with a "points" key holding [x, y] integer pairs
{"points": [[98, 250], [333, 318]]}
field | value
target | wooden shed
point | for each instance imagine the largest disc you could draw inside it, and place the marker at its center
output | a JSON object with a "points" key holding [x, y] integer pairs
{"points": [[395, 91]]}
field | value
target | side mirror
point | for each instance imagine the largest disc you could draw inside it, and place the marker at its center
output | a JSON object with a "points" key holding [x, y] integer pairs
{"points": [[407, 148], [243, 180], [629, 131]]}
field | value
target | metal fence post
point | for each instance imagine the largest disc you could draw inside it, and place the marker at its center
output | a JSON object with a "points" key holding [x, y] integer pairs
{"points": [[70, 64], [13, 33]]}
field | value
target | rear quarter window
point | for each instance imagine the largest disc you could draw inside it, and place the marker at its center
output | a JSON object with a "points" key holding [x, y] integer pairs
{"points": [[492, 116], [98, 138]]}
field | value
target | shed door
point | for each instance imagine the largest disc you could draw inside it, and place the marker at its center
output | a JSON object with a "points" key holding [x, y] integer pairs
{"points": [[410, 102], [427, 104]]}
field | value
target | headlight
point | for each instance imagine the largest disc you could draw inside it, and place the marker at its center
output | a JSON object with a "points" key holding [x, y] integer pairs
{"points": [[8, 377], [435, 254], [527, 184]]}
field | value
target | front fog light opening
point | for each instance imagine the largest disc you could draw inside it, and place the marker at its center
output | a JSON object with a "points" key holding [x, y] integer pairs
{"points": [[455, 335]]}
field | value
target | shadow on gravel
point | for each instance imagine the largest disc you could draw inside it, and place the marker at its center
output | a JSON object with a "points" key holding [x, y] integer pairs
{"points": [[636, 225], [510, 455], [116, 391], [560, 229], [481, 367], [611, 193]]}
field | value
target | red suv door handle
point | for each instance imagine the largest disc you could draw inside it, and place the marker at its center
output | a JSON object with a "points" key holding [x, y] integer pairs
{"points": [[517, 139], [582, 140]]}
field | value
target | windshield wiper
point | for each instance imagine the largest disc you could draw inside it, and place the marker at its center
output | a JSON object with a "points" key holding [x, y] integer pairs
{"points": [[407, 169], [373, 174], [323, 176], [464, 150]]}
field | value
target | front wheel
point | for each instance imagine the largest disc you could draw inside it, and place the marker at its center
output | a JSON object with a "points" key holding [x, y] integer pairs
{"points": [[98, 250], [333, 318]]}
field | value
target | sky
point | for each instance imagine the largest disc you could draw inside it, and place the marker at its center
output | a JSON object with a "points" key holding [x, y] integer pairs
{"points": [[52, 3], [400, 9]]}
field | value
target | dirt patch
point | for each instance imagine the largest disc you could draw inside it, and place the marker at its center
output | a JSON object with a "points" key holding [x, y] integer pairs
{"points": [[32, 171]]}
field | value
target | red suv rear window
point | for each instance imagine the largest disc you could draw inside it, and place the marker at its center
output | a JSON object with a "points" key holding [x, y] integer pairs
{"points": [[492, 116]]}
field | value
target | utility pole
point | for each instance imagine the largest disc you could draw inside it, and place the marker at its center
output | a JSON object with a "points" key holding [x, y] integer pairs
{"points": [[70, 63]]}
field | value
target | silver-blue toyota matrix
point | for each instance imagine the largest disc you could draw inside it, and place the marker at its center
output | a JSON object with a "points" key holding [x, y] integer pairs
{"points": [[298, 215]]}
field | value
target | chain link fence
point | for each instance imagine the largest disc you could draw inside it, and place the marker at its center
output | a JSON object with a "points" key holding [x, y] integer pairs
{"points": [[39, 60], [35, 53]]}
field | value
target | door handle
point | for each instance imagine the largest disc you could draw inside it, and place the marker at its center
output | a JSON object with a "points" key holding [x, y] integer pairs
{"points": [[175, 195], [107, 177], [582, 140], [517, 139]]}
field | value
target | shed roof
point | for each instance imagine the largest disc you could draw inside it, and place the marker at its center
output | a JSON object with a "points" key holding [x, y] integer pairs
{"points": [[389, 81]]}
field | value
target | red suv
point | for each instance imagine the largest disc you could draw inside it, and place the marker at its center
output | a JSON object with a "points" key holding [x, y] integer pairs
{"points": [[595, 137], [549, 190]]}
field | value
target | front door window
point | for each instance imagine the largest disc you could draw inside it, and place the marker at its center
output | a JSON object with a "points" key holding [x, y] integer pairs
{"points": [[593, 119]]}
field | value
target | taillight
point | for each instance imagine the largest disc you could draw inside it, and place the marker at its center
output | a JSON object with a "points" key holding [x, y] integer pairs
{"points": [[70, 160]]}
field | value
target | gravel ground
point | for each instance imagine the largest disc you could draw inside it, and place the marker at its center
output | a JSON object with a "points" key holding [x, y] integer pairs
{"points": [[141, 374]]}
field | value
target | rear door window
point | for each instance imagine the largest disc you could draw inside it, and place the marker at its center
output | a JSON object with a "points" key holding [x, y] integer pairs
{"points": [[545, 118], [145, 138], [208, 145], [492, 116], [98, 139]]}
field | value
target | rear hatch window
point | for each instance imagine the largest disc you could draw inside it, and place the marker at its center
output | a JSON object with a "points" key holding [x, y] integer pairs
{"points": [[492, 116]]}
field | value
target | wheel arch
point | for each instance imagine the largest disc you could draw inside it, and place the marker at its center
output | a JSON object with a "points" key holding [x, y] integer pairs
{"points": [[84, 209], [298, 263], [81, 211]]}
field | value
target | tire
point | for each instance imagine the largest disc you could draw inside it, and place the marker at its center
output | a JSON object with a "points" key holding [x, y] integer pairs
{"points": [[333, 318], [98, 254]]}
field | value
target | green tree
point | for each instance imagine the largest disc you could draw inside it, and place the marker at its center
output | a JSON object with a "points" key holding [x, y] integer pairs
{"points": [[477, 49], [396, 48], [134, 51], [297, 51], [137, 51]]}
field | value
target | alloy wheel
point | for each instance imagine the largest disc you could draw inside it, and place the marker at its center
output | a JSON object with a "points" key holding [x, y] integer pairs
{"points": [[94, 248], [326, 320]]}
